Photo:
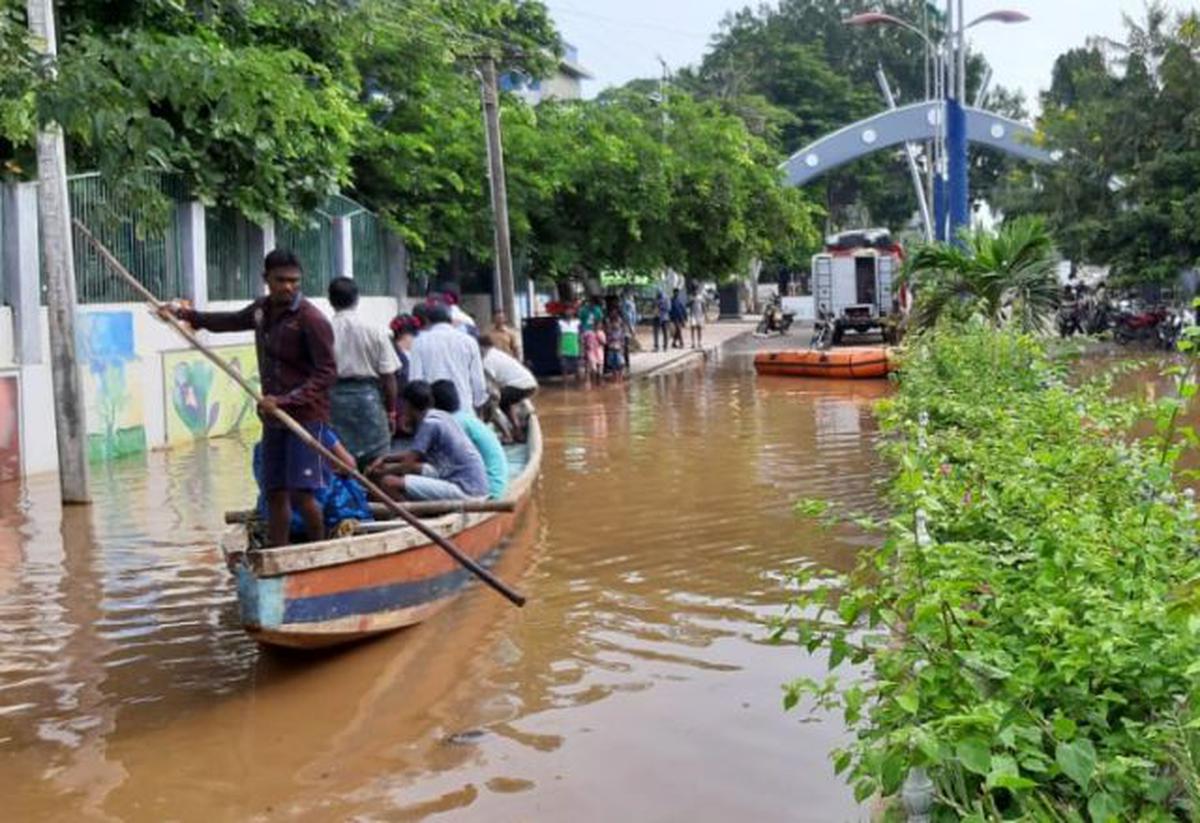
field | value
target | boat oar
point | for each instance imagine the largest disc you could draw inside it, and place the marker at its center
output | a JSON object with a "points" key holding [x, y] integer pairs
{"points": [[287, 420]]}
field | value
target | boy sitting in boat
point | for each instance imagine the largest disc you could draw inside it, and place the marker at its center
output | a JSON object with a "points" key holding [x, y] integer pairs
{"points": [[485, 441], [440, 463]]}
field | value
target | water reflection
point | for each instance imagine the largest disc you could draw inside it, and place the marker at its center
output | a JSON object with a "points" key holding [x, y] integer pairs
{"points": [[636, 682]]}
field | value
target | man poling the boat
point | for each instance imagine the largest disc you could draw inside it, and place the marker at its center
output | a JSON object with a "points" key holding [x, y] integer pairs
{"points": [[169, 316], [294, 342]]}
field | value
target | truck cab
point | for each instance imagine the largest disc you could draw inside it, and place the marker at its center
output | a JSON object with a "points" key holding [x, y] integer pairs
{"points": [[853, 282]]}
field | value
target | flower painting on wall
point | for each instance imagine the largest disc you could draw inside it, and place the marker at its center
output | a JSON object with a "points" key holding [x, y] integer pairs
{"points": [[113, 390], [204, 402]]}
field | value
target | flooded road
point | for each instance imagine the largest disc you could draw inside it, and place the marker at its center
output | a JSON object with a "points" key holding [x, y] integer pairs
{"points": [[636, 685]]}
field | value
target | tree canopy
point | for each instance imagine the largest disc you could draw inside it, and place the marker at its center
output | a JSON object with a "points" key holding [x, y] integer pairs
{"points": [[1123, 116], [268, 106]]}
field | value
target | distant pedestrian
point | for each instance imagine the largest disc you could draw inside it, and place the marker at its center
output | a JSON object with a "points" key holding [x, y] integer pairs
{"points": [[662, 320], [678, 316], [696, 319], [593, 353], [568, 342], [591, 316], [616, 338], [504, 337], [630, 310]]}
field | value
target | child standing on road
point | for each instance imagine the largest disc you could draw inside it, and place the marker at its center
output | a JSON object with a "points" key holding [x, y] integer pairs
{"points": [[593, 351], [568, 343]]}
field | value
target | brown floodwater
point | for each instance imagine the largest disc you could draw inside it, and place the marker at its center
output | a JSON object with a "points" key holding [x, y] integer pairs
{"points": [[637, 684]]}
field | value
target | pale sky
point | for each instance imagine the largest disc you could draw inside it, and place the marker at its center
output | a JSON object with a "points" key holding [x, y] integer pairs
{"points": [[618, 40]]}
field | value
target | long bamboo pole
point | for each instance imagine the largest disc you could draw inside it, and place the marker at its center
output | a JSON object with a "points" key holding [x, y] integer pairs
{"points": [[287, 420]]}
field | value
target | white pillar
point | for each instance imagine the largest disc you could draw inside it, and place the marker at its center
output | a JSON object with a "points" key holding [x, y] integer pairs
{"points": [[22, 268], [193, 251], [260, 237], [343, 248]]}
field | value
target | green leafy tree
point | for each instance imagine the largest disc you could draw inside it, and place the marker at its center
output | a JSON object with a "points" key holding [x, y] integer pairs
{"points": [[1009, 275], [1123, 116]]}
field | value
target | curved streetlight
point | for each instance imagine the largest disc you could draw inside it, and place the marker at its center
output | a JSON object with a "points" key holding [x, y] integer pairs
{"points": [[952, 92]]}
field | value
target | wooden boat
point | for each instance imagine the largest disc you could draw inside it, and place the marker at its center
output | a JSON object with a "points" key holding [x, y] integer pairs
{"points": [[855, 363], [344, 589]]}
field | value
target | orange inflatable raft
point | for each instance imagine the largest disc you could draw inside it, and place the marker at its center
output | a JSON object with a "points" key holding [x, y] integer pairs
{"points": [[857, 363]]}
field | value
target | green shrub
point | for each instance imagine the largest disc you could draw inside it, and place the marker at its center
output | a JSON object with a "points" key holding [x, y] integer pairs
{"points": [[1029, 630]]}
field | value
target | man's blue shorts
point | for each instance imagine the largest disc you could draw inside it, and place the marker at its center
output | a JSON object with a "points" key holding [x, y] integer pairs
{"points": [[290, 464]]}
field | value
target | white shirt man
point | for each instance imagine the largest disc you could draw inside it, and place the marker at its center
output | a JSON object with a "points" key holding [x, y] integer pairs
{"points": [[442, 353]]}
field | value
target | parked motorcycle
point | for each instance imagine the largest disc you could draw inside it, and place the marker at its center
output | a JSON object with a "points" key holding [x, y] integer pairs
{"points": [[775, 320], [1157, 326]]}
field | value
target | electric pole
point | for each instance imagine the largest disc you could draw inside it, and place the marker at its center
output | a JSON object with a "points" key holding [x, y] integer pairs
{"points": [[70, 421], [499, 188]]}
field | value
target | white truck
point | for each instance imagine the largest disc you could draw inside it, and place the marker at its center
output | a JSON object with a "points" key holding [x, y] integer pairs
{"points": [[853, 284]]}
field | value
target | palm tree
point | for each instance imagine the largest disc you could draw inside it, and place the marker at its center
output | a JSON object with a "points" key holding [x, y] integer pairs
{"points": [[1006, 276]]}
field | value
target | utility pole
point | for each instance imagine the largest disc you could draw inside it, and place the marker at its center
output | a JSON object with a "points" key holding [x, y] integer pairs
{"points": [[70, 422], [499, 188]]}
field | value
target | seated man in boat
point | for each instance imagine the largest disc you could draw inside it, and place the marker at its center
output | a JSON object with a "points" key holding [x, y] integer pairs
{"points": [[440, 463], [515, 382], [495, 461]]}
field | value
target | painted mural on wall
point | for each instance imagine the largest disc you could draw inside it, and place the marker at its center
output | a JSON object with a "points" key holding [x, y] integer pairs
{"points": [[10, 428], [112, 387], [202, 401]]}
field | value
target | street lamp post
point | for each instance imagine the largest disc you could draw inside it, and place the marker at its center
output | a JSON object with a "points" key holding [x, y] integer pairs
{"points": [[952, 191]]}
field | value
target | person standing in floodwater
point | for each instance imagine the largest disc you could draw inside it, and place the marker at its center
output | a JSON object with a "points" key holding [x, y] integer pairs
{"points": [[296, 362]]}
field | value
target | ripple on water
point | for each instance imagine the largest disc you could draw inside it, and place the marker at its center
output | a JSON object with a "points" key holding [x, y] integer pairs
{"points": [[662, 535]]}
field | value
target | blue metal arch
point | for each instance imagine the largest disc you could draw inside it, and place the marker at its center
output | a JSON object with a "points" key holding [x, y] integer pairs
{"points": [[913, 123]]}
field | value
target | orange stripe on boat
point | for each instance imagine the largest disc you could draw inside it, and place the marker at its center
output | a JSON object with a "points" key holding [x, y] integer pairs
{"points": [[414, 564]]}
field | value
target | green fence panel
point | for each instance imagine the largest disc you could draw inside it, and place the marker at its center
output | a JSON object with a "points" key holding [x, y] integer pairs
{"points": [[313, 244], [232, 275], [370, 254], [151, 255]]}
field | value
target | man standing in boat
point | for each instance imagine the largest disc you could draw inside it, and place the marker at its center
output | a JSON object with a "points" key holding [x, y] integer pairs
{"points": [[294, 341], [363, 400]]}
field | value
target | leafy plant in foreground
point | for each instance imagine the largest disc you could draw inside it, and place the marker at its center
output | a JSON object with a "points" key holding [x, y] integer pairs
{"points": [[1031, 624]]}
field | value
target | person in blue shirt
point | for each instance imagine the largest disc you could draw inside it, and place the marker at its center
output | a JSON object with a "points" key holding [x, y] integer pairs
{"points": [[440, 463], [678, 314], [495, 461]]}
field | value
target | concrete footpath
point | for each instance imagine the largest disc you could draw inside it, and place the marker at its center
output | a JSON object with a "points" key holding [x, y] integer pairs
{"points": [[648, 363]]}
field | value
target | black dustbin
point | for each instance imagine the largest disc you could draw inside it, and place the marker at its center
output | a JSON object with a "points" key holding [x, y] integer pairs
{"points": [[539, 342], [729, 298]]}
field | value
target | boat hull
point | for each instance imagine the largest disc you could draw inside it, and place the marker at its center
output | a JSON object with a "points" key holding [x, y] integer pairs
{"points": [[859, 363], [343, 590]]}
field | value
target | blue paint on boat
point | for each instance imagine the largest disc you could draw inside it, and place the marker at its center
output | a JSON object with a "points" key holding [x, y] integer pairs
{"points": [[261, 599], [379, 598]]}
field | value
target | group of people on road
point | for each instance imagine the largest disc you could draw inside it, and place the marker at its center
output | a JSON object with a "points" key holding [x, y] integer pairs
{"points": [[593, 341], [413, 410], [671, 315]]}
